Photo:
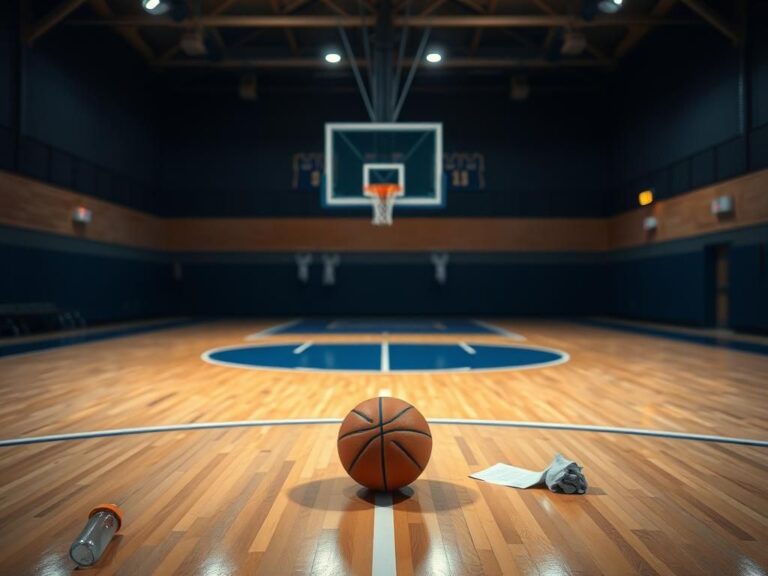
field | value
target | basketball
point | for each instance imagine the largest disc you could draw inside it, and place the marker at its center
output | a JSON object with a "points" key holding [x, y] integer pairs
{"points": [[384, 443]]}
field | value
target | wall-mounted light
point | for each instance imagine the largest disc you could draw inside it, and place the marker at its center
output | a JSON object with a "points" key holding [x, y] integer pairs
{"points": [[82, 215], [645, 197], [650, 224], [721, 205], [333, 57], [156, 6]]}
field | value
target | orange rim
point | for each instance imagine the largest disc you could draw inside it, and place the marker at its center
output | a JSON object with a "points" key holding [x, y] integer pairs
{"points": [[383, 190], [113, 509]]}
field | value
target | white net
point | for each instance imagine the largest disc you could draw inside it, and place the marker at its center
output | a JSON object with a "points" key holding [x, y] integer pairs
{"points": [[383, 207]]}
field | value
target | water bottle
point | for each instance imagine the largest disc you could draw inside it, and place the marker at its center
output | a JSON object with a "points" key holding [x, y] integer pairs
{"points": [[103, 522]]}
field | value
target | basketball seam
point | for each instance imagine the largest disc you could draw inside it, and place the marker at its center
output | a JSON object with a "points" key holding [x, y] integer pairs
{"points": [[408, 454], [381, 435], [395, 417], [363, 416], [360, 454]]}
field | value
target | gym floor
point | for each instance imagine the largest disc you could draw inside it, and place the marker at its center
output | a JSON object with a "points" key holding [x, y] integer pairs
{"points": [[230, 468]]}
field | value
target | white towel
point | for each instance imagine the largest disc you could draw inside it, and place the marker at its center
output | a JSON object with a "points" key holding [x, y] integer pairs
{"points": [[562, 475]]}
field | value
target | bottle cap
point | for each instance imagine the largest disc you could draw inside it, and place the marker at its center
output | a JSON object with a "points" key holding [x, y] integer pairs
{"points": [[113, 509]]}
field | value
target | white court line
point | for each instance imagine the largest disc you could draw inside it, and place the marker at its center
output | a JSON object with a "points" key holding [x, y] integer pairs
{"points": [[273, 329], [303, 347], [467, 348], [385, 356], [383, 562], [458, 421], [498, 330]]}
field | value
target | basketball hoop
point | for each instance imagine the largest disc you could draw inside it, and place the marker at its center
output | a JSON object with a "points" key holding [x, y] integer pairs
{"points": [[383, 201]]}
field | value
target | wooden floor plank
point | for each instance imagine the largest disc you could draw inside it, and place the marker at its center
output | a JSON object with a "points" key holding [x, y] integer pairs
{"points": [[275, 499]]}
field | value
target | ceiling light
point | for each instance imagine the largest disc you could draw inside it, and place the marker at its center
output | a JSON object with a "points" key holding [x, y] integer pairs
{"points": [[434, 57], [609, 6], [332, 58], [155, 6]]}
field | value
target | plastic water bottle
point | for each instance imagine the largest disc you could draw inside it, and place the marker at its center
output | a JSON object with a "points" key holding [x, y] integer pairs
{"points": [[103, 522]]}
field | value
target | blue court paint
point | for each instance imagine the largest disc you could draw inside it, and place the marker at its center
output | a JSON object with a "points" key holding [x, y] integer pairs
{"points": [[354, 357], [318, 357], [386, 326], [85, 337], [740, 345]]}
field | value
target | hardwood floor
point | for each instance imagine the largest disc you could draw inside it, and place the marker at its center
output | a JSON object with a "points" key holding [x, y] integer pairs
{"points": [[275, 500]]}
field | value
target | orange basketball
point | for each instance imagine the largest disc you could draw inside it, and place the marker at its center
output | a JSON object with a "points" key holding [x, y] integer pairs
{"points": [[384, 443]]}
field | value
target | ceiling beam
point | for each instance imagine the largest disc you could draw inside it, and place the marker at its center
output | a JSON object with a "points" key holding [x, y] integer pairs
{"points": [[707, 13], [452, 63], [130, 33], [51, 19], [532, 21], [232, 21], [545, 7], [636, 33], [432, 7], [335, 7], [480, 21], [290, 37], [475, 44]]}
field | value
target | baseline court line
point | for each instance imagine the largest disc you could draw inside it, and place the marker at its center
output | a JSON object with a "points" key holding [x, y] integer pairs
{"points": [[385, 356], [21, 441], [273, 329], [498, 330], [467, 348], [383, 562], [303, 347]]}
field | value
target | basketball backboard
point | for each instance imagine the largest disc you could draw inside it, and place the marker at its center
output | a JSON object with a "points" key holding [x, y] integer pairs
{"points": [[406, 155]]}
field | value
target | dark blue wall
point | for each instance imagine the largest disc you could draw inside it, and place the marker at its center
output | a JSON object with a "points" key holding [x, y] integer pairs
{"points": [[86, 116], [689, 113], [545, 157], [105, 283], [502, 285], [681, 115], [675, 281], [8, 57], [749, 286]]}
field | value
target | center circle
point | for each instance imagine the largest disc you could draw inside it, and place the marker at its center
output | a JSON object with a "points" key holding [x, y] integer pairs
{"points": [[400, 357]]}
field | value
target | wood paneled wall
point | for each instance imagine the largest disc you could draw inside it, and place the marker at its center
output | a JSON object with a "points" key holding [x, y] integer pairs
{"points": [[26, 203], [406, 235], [689, 215]]}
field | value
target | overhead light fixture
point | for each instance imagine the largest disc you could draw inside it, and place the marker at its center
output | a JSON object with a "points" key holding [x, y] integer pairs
{"points": [[519, 88], [333, 58], [574, 43], [193, 43], [610, 6], [248, 88], [156, 6], [434, 57]]}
